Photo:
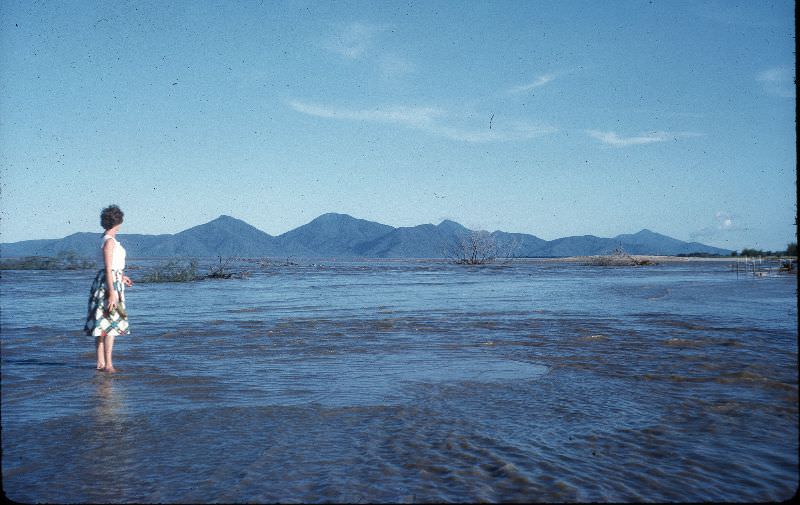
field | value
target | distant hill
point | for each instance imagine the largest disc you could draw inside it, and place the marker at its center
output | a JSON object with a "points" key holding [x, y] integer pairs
{"points": [[343, 236], [422, 241], [337, 235], [225, 236], [644, 242]]}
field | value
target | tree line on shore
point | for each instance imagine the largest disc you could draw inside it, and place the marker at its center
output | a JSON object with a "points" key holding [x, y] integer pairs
{"points": [[791, 250]]}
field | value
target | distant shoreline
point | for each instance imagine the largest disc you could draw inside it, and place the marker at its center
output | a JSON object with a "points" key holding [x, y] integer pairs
{"points": [[650, 257]]}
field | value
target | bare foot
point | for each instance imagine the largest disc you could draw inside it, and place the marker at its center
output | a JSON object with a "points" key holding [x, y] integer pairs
{"points": [[110, 369], [101, 366]]}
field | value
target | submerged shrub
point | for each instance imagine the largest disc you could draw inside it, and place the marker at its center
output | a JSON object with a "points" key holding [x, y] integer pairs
{"points": [[173, 271], [186, 271]]}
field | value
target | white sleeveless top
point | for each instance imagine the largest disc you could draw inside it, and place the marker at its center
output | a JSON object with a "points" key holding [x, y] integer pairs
{"points": [[117, 254]]}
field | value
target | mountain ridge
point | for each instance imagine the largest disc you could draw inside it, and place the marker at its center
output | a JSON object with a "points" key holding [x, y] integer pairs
{"points": [[344, 236]]}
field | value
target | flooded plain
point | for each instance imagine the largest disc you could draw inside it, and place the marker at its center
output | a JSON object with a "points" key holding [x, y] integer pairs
{"points": [[406, 381]]}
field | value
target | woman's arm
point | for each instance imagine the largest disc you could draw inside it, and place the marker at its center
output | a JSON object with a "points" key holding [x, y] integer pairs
{"points": [[111, 293]]}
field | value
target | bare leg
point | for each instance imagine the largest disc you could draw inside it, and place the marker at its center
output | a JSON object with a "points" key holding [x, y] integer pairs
{"points": [[109, 346], [101, 359]]}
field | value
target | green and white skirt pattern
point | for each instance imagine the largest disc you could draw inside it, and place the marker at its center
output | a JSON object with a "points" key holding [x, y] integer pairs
{"points": [[99, 322]]}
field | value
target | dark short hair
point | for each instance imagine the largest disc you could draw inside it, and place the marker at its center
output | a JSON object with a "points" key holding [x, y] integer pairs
{"points": [[110, 217]]}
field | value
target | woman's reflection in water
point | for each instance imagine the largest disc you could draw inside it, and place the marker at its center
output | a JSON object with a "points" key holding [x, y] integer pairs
{"points": [[109, 401], [114, 448]]}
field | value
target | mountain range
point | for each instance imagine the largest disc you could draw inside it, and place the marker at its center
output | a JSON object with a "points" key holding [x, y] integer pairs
{"points": [[343, 236]]}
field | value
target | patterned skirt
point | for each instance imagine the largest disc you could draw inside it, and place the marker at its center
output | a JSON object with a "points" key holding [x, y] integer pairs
{"points": [[99, 322]]}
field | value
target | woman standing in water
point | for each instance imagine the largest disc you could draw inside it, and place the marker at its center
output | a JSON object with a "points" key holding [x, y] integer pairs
{"points": [[107, 317]]}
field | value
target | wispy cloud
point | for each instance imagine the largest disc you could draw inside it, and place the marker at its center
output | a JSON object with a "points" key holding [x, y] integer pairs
{"points": [[512, 131], [724, 226], [538, 82], [611, 138], [777, 81], [353, 40], [429, 119], [358, 41], [417, 117]]}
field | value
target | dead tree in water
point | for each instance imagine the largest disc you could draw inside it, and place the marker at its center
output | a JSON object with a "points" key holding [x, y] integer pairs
{"points": [[477, 248], [219, 272]]}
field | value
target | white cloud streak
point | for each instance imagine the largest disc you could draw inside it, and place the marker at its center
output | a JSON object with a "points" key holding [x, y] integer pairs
{"points": [[778, 81], [514, 131], [611, 138], [538, 82], [417, 117], [428, 119]]}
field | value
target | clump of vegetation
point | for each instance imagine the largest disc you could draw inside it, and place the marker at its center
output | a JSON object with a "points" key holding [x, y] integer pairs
{"points": [[173, 271], [65, 260], [186, 271], [619, 258], [791, 250]]}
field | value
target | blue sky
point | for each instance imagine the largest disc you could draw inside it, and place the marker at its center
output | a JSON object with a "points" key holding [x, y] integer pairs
{"points": [[551, 118]]}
